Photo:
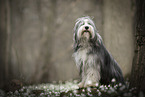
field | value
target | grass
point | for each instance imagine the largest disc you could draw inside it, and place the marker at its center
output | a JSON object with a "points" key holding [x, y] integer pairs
{"points": [[70, 89]]}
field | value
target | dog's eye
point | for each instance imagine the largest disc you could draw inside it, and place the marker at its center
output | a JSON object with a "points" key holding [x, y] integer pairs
{"points": [[89, 23], [82, 23]]}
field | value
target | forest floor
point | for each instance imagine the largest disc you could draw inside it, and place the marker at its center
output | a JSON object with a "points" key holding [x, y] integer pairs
{"points": [[70, 89]]}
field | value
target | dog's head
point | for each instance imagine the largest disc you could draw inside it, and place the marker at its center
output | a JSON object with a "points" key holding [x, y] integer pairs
{"points": [[84, 29]]}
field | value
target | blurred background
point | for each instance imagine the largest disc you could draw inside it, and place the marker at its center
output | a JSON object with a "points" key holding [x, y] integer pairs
{"points": [[36, 36]]}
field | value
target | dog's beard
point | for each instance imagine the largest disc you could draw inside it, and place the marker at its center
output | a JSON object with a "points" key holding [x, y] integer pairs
{"points": [[88, 34]]}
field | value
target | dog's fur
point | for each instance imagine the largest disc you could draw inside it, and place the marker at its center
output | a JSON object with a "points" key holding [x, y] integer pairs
{"points": [[93, 61]]}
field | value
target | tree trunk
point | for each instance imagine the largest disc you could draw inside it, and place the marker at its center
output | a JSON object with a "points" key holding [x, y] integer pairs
{"points": [[138, 68]]}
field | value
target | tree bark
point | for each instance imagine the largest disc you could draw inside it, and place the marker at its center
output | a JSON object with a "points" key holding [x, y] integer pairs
{"points": [[138, 67]]}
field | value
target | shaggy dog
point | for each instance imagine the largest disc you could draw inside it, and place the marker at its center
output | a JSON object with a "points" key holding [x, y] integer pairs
{"points": [[94, 62]]}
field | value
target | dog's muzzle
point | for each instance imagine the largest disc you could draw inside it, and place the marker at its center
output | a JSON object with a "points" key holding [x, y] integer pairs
{"points": [[85, 31]]}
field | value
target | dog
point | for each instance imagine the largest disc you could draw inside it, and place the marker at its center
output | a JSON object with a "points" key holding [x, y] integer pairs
{"points": [[94, 62]]}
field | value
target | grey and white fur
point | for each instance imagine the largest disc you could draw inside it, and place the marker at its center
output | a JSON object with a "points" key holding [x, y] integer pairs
{"points": [[94, 62]]}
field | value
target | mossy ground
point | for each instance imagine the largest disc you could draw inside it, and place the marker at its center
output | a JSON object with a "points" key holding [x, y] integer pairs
{"points": [[70, 89]]}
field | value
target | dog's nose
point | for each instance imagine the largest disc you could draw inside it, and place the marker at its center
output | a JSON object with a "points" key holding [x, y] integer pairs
{"points": [[86, 27]]}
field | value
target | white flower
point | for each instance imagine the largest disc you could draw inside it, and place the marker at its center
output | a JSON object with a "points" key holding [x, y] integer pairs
{"points": [[113, 80], [97, 85], [99, 94]]}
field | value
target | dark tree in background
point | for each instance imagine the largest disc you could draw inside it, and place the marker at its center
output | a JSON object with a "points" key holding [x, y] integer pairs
{"points": [[138, 68]]}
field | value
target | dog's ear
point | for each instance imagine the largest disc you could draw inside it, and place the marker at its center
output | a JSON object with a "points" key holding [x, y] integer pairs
{"points": [[76, 25], [99, 38]]}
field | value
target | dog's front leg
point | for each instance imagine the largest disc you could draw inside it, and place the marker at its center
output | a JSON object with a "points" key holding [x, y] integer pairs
{"points": [[92, 77]]}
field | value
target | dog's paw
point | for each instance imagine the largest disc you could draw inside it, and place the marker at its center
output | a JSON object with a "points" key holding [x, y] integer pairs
{"points": [[81, 85], [90, 84]]}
